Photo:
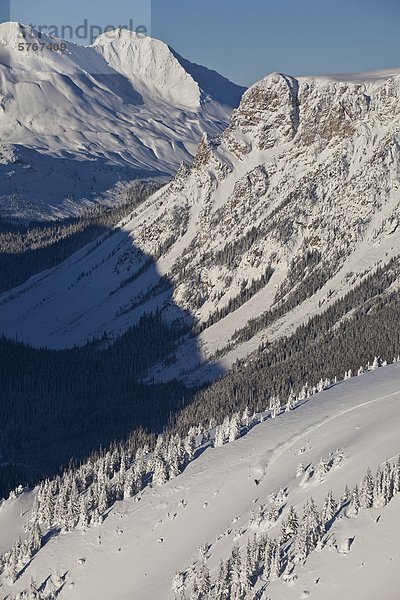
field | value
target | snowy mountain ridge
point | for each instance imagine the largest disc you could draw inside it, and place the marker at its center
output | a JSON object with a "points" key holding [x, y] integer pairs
{"points": [[286, 211], [128, 105], [242, 501]]}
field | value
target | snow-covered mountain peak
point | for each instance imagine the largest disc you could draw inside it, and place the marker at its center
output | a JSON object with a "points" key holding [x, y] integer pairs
{"points": [[151, 66], [13, 33], [156, 69], [10, 32], [127, 106], [308, 110], [268, 111]]}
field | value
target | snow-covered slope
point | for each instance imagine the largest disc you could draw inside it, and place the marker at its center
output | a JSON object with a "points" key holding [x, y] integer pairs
{"points": [[197, 517], [292, 206], [126, 106]]}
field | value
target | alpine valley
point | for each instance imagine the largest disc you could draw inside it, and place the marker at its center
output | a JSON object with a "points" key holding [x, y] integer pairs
{"points": [[191, 277]]}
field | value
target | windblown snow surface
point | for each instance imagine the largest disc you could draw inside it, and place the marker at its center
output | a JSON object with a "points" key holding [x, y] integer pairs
{"points": [[73, 124], [143, 543]]}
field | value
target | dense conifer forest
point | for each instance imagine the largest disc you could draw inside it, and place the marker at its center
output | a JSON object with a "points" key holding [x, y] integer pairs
{"points": [[61, 405], [55, 413], [29, 248]]}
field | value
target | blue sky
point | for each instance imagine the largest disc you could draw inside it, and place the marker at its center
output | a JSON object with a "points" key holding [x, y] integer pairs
{"points": [[248, 39]]}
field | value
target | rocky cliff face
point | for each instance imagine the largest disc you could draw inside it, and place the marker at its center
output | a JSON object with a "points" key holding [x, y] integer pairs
{"points": [[289, 208]]}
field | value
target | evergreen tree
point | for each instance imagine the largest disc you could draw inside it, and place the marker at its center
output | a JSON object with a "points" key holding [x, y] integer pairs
{"points": [[290, 525], [160, 472], [322, 469], [313, 523], [202, 584], [245, 577], [178, 586], [234, 428], [235, 564], [222, 589], [267, 557], [396, 477], [189, 446], [379, 500], [367, 491], [302, 547], [274, 406], [273, 513], [328, 510], [275, 569], [355, 503], [388, 483]]}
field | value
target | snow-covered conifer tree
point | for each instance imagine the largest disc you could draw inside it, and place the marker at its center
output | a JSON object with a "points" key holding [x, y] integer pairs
{"points": [[234, 428], [33, 591], [376, 363], [291, 402], [103, 502], [379, 501], [329, 509], [160, 472], [313, 523], [322, 469], [302, 543], [345, 497], [387, 487], [396, 477], [245, 577], [246, 417], [12, 566], [250, 557], [275, 569], [354, 507], [367, 491], [274, 406], [35, 538], [267, 555], [219, 439], [178, 586], [84, 514], [290, 525], [129, 485], [222, 589], [273, 513], [235, 564], [139, 468], [303, 395], [189, 445]]}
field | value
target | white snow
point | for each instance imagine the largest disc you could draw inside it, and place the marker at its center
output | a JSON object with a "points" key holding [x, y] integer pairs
{"points": [[212, 503], [151, 67], [339, 195], [82, 120]]}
